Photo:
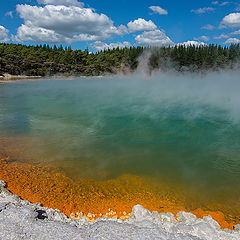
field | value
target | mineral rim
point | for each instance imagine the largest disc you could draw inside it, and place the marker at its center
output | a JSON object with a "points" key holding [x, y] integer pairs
{"points": [[99, 199]]}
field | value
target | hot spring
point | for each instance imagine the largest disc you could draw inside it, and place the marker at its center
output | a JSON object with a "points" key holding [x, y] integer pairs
{"points": [[178, 130]]}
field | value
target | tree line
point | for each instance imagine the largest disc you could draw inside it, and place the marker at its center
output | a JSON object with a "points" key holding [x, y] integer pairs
{"points": [[45, 60]]}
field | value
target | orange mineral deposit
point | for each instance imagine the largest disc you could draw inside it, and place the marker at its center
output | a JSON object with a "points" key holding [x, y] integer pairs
{"points": [[93, 199]]}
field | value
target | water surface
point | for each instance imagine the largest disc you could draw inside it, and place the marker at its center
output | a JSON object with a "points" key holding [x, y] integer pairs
{"points": [[182, 130]]}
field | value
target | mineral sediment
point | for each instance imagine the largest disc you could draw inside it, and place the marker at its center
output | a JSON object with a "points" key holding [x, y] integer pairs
{"points": [[97, 199], [20, 219]]}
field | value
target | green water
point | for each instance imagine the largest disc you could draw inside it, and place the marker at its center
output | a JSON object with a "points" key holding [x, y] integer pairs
{"points": [[177, 129]]}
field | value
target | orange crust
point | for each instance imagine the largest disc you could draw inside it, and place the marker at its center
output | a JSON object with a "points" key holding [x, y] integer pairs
{"points": [[110, 198]]}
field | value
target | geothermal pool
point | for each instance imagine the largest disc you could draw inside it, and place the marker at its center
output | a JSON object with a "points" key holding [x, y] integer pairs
{"points": [[179, 130]]}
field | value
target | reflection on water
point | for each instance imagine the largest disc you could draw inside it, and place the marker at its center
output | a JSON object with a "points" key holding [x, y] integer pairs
{"points": [[183, 131]]}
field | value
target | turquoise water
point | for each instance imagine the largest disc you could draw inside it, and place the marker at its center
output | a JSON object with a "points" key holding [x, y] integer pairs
{"points": [[178, 129]]}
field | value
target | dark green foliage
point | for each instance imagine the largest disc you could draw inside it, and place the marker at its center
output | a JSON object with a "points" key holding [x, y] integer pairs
{"points": [[42, 60]]}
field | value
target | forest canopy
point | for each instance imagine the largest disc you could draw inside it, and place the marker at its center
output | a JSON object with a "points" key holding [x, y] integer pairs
{"points": [[45, 60]]}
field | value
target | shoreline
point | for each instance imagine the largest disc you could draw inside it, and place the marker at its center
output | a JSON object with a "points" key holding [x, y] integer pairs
{"points": [[14, 79], [37, 183], [9, 77], [20, 219]]}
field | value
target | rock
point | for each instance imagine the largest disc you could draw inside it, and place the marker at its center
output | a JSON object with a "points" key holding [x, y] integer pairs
{"points": [[237, 228], [139, 213], [2, 184], [187, 218]]}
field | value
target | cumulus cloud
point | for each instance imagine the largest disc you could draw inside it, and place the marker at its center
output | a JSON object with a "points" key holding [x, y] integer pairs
{"points": [[215, 2], [235, 33], [208, 27], [61, 2], [232, 41], [203, 10], [231, 20], [4, 34], [153, 38], [222, 36], [141, 25], [99, 45], [203, 38], [193, 43], [39, 34], [158, 10], [63, 24]]}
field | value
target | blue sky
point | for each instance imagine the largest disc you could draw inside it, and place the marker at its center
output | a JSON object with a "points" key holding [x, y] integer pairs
{"points": [[107, 24]]}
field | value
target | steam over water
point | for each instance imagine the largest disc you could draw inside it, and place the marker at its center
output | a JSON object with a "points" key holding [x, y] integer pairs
{"points": [[180, 129]]}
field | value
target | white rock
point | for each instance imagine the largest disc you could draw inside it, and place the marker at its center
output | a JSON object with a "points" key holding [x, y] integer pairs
{"points": [[187, 218], [139, 213]]}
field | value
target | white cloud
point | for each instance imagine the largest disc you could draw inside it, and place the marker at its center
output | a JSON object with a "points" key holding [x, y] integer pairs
{"points": [[159, 10], [208, 27], [61, 2], [141, 25], [222, 36], [232, 41], [231, 20], [235, 33], [193, 43], [63, 24], [153, 38], [224, 3], [4, 34], [39, 34], [10, 14], [220, 4], [98, 45], [203, 38], [203, 10]]}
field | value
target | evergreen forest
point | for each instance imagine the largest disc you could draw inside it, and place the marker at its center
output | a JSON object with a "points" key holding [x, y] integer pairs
{"points": [[45, 60]]}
